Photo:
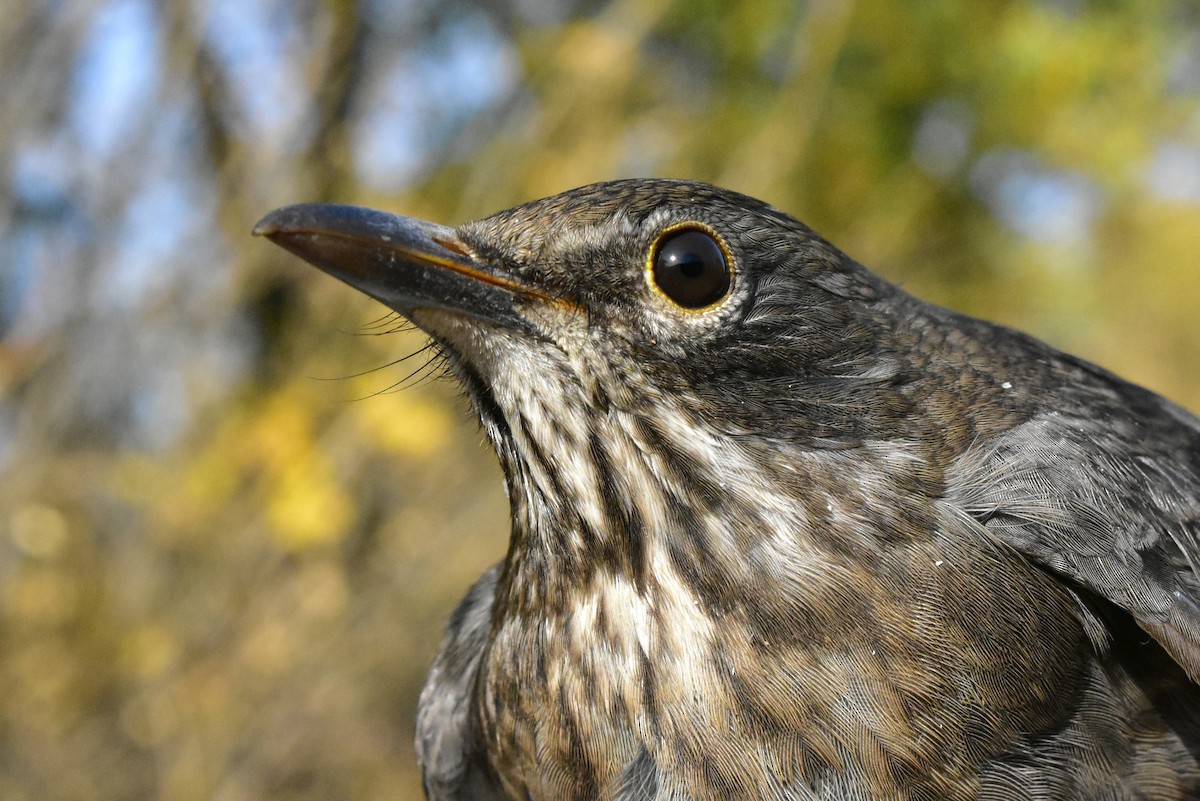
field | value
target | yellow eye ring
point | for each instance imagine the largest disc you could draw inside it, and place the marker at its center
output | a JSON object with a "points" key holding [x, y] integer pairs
{"points": [[690, 266]]}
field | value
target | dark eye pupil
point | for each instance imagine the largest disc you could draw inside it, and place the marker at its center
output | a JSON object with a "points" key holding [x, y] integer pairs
{"points": [[690, 269]]}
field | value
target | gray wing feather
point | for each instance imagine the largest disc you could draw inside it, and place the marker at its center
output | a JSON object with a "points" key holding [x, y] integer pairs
{"points": [[449, 749], [1111, 502]]}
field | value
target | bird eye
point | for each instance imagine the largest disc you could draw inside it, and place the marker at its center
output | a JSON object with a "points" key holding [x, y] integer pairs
{"points": [[689, 267]]}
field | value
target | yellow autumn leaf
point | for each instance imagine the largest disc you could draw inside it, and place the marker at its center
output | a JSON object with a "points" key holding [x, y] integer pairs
{"points": [[405, 423], [307, 506]]}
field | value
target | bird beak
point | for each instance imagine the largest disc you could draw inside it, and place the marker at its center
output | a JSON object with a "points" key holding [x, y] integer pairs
{"points": [[404, 263]]}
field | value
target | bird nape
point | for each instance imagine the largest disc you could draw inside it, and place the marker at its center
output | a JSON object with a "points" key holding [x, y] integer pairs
{"points": [[779, 529]]}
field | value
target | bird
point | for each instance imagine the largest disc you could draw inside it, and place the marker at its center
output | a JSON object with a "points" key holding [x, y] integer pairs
{"points": [[780, 529]]}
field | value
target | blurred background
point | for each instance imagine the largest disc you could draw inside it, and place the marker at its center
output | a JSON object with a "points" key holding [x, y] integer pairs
{"points": [[234, 508]]}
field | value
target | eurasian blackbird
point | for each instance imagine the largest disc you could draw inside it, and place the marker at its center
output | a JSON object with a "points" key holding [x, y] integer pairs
{"points": [[781, 530]]}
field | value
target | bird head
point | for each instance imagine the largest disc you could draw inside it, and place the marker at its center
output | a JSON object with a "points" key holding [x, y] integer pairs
{"points": [[630, 292], [647, 355]]}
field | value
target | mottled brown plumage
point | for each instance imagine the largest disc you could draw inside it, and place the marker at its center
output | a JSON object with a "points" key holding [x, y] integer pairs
{"points": [[782, 531]]}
